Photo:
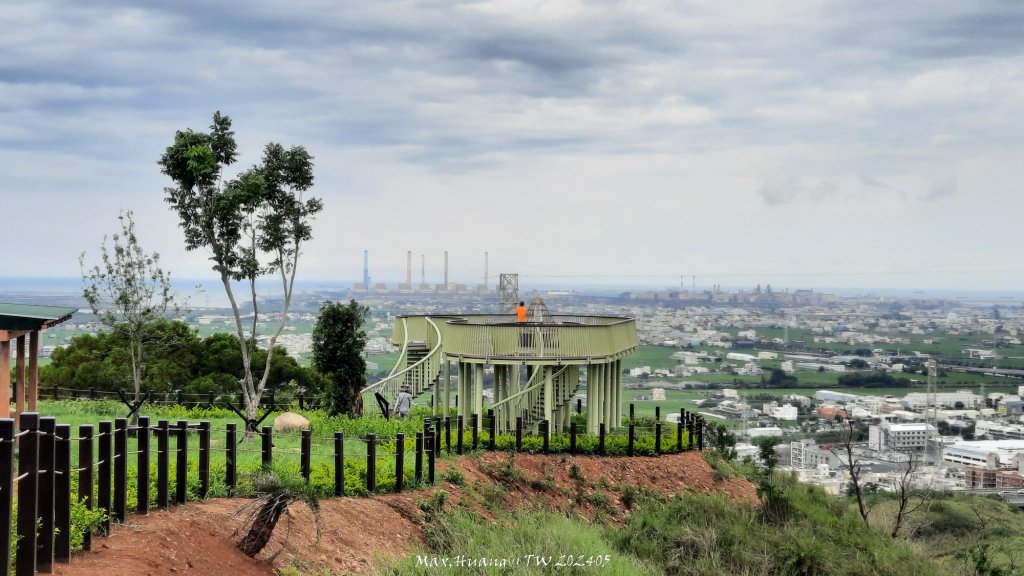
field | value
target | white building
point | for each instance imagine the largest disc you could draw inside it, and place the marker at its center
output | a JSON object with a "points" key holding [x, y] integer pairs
{"points": [[658, 394], [807, 454], [905, 436], [986, 453], [783, 412], [832, 396], [959, 400]]}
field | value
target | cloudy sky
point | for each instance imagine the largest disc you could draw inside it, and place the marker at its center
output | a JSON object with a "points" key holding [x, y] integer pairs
{"points": [[806, 144]]}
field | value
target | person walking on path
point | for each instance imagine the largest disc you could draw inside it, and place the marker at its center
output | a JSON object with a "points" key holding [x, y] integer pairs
{"points": [[403, 403]]}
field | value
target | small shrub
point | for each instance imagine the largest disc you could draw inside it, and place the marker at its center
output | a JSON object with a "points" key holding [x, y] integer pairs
{"points": [[454, 476]]}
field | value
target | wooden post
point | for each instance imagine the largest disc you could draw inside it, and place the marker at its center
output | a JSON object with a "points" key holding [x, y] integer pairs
{"points": [[267, 446], [572, 438], [492, 429], [231, 457], [459, 430], [105, 465], [142, 471], [419, 457], [5, 378], [33, 370], [19, 376], [85, 475], [437, 435], [631, 410], [657, 413], [45, 499], [430, 460], [519, 433], [6, 492], [399, 461], [181, 464], [120, 468], [304, 456], [448, 434], [204, 459], [339, 463], [62, 495], [600, 439], [371, 462], [163, 463], [28, 486], [544, 426]]}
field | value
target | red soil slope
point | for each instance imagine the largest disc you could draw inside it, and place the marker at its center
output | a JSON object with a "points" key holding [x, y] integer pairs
{"points": [[358, 533]]}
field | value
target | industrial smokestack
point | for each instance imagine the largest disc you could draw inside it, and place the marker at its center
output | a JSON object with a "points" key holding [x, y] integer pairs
{"points": [[485, 269], [408, 268], [446, 270], [366, 268], [423, 268]]}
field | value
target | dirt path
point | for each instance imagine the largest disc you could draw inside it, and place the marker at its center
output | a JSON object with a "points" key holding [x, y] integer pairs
{"points": [[358, 533]]}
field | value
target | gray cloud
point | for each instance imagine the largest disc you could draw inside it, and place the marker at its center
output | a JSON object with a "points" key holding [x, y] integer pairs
{"points": [[684, 106]]}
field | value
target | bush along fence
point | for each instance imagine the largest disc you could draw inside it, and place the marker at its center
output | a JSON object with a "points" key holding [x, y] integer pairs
{"points": [[40, 488]]}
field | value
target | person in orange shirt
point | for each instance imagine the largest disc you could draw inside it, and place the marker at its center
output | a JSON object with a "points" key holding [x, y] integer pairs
{"points": [[521, 312]]}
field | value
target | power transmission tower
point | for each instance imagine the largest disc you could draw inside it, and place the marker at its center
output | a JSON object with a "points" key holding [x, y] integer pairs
{"points": [[508, 293]]}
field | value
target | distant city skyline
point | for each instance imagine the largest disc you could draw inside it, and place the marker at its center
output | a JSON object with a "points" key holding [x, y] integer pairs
{"points": [[863, 144]]}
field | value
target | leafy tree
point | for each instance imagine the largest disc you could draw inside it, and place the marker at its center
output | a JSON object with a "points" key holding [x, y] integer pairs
{"points": [[338, 343], [128, 292], [252, 226]]}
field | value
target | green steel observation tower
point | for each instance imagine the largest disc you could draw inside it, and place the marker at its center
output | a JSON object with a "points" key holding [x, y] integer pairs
{"points": [[538, 365]]}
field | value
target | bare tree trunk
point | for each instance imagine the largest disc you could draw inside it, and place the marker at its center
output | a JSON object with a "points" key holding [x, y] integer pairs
{"points": [[246, 384]]}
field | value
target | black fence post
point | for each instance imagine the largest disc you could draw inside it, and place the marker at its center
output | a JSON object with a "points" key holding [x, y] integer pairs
{"points": [[579, 405], [437, 435], [448, 434], [430, 459], [371, 462], [629, 442], [62, 495], [267, 446], [631, 407], [302, 401], [600, 439], [657, 413], [92, 393], [142, 473], [28, 490], [85, 476], [475, 420], [181, 464], [692, 434], [105, 465], [120, 468], [419, 457], [519, 433], [163, 463], [657, 439], [6, 491], [700, 435], [231, 457], [399, 461], [460, 428], [339, 463], [492, 429], [304, 457], [545, 425], [572, 438], [204, 459], [47, 473], [679, 435]]}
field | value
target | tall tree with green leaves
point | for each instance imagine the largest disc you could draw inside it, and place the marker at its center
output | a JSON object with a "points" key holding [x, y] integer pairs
{"points": [[338, 343], [252, 226], [128, 292]]}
